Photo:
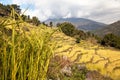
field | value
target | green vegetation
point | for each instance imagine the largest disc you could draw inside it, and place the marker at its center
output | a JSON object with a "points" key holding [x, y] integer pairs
{"points": [[67, 28], [113, 28], [111, 40], [51, 24], [35, 21], [77, 40], [70, 30], [5, 11]]}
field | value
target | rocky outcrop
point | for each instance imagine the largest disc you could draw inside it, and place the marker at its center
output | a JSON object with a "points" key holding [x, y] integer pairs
{"points": [[95, 75], [61, 68]]}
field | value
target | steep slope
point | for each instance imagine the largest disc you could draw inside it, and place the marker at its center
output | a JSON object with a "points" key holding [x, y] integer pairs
{"points": [[112, 28], [80, 23], [95, 57]]}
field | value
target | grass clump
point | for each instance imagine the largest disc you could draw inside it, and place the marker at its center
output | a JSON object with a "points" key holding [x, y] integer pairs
{"points": [[24, 55]]}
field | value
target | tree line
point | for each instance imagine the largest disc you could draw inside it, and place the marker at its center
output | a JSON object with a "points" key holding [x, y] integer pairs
{"points": [[5, 11], [110, 40]]}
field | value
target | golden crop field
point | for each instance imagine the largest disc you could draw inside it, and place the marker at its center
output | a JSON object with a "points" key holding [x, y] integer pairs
{"points": [[95, 57]]}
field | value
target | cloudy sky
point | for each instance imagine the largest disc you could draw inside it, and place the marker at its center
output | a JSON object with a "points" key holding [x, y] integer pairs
{"points": [[106, 11]]}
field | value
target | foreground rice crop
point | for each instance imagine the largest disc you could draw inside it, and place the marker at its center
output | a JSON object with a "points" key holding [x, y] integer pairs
{"points": [[24, 51]]}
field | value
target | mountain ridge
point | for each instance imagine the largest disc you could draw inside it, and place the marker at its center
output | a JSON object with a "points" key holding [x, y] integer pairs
{"points": [[80, 23], [113, 28]]}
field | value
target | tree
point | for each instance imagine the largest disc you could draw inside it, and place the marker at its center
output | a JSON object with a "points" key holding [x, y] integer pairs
{"points": [[51, 24], [58, 24], [79, 34], [35, 20], [24, 17], [5, 10], [78, 40], [67, 28], [43, 23], [28, 17], [111, 40], [15, 7]]}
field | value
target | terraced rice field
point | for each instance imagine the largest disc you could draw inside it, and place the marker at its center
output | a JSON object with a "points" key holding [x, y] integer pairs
{"points": [[95, 57]]}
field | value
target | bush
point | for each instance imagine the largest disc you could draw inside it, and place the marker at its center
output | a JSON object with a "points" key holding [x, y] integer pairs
{"points": [[80, 34], [111, 40], [70, 30], [78, 40], [67, 28]]}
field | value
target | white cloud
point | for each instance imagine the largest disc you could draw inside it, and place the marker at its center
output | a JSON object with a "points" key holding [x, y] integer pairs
{"points": [[101, 10]]}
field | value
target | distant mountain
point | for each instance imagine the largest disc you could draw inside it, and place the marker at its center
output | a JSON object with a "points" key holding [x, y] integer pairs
{"points": [[112, 28], [80, 23]]}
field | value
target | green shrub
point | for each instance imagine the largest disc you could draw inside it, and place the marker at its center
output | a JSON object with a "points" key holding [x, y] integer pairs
{"points": [[67, 28], [111, 40], [78, 40], [70, 30]]}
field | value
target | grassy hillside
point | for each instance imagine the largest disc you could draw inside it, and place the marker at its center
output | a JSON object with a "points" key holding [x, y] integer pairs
{"points": [[95, 57], [113, 28]]}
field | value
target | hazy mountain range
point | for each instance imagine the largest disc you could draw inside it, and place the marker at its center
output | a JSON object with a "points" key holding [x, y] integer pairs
{"points": [[112, 28], [80, 23]]}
